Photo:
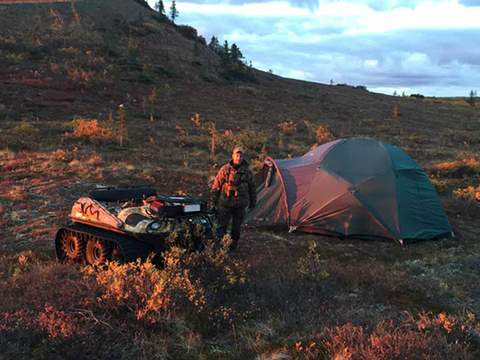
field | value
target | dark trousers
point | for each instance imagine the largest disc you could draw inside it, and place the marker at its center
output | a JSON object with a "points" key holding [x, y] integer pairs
{"points": [[236, 214]]}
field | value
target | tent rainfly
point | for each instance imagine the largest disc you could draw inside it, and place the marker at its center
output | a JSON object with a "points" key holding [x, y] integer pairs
{"points": [[360, 188]]}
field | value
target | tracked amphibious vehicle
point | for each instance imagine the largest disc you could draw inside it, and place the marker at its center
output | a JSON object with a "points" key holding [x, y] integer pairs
{"points": [[130, 223]]}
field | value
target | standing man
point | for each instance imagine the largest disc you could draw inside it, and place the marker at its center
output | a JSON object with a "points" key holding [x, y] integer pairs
{"points": [[232, 191]]}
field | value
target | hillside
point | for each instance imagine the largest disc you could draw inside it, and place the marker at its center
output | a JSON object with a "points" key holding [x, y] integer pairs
{"points": [[63, 60], [64, 72]]}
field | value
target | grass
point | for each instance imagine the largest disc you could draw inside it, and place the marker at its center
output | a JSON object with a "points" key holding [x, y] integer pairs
{"points": [[296, 296], [209, 305], [452, 102], [284, 295]]}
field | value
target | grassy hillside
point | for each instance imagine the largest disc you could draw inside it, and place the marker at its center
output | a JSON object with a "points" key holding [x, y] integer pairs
{"points": [[65, 71]]}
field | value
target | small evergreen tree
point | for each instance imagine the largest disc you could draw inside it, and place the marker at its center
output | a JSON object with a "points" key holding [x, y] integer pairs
{"points": [[173, 11], [471, 99], [159, 7], [214, 44], [153, 99], [225, 53], [122, 124], [235, 54], [202, 40], [226, 49]]}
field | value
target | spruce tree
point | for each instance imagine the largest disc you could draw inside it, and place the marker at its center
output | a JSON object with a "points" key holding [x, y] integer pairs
{"points": [[173, 11], [226, 49], [225, 53], [471, 99], [214, 44], [159, 7], [235, 54]]}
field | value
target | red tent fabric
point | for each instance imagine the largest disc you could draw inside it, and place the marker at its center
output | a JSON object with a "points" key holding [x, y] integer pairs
{"points": [[350, 187]]}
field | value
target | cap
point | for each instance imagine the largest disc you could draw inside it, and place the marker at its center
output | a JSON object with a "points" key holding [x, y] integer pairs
{"points": [[238, 149]]}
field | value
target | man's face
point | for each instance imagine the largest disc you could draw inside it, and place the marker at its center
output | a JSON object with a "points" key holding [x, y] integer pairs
{"points": [[237, 157]]}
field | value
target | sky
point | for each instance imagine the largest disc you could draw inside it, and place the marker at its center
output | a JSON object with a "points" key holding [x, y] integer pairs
{"points": [[403, 46]]}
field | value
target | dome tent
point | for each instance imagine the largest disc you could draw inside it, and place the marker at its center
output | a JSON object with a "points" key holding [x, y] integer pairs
{"points": [[356, 187]]}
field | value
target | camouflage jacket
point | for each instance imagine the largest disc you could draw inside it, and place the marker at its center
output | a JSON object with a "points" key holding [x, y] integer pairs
{"points": [[234, 188]]}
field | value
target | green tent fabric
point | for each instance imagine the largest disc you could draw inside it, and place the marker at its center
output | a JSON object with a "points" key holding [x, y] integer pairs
{"points": [[361, 188]]}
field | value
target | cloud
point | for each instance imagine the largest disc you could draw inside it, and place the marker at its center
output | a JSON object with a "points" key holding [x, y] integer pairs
{"points": [[377, 5], [405, 58], [402, 44], [469, 2]]}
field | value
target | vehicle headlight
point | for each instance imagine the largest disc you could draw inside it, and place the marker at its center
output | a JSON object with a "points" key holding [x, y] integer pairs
{"points": [[155, 226]]}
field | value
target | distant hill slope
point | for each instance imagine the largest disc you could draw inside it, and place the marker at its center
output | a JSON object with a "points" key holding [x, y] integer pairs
{"points": [[66, 55], [36, 1], [63, 60]]}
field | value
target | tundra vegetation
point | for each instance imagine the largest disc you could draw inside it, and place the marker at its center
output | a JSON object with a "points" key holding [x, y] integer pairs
{"points": [[65, 71]]}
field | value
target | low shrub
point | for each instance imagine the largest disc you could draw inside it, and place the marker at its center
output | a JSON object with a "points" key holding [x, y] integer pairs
{"points": [[20, 137], [417, 96], [466, 163], [200, 39], [188, 32], [410, 339], [111, 49], [187, 283], [470, 137], [25, 129], [445, 101], [76, 310], [70, 52], [240, 73], [61, 155], [184, 139], [145, 78], [159, 70], [470, 193], [248, 90], [144, 292], [441, 185], [88, 78], [14, 58], [252, 140], [287, 128], [318, 132], [91, 129]]}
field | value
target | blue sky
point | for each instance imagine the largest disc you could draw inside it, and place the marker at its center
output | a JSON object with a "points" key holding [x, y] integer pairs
{"points": [[411, 46]]}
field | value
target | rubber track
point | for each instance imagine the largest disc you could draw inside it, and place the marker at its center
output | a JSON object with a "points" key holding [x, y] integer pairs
{"points": [[131, 248]]}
